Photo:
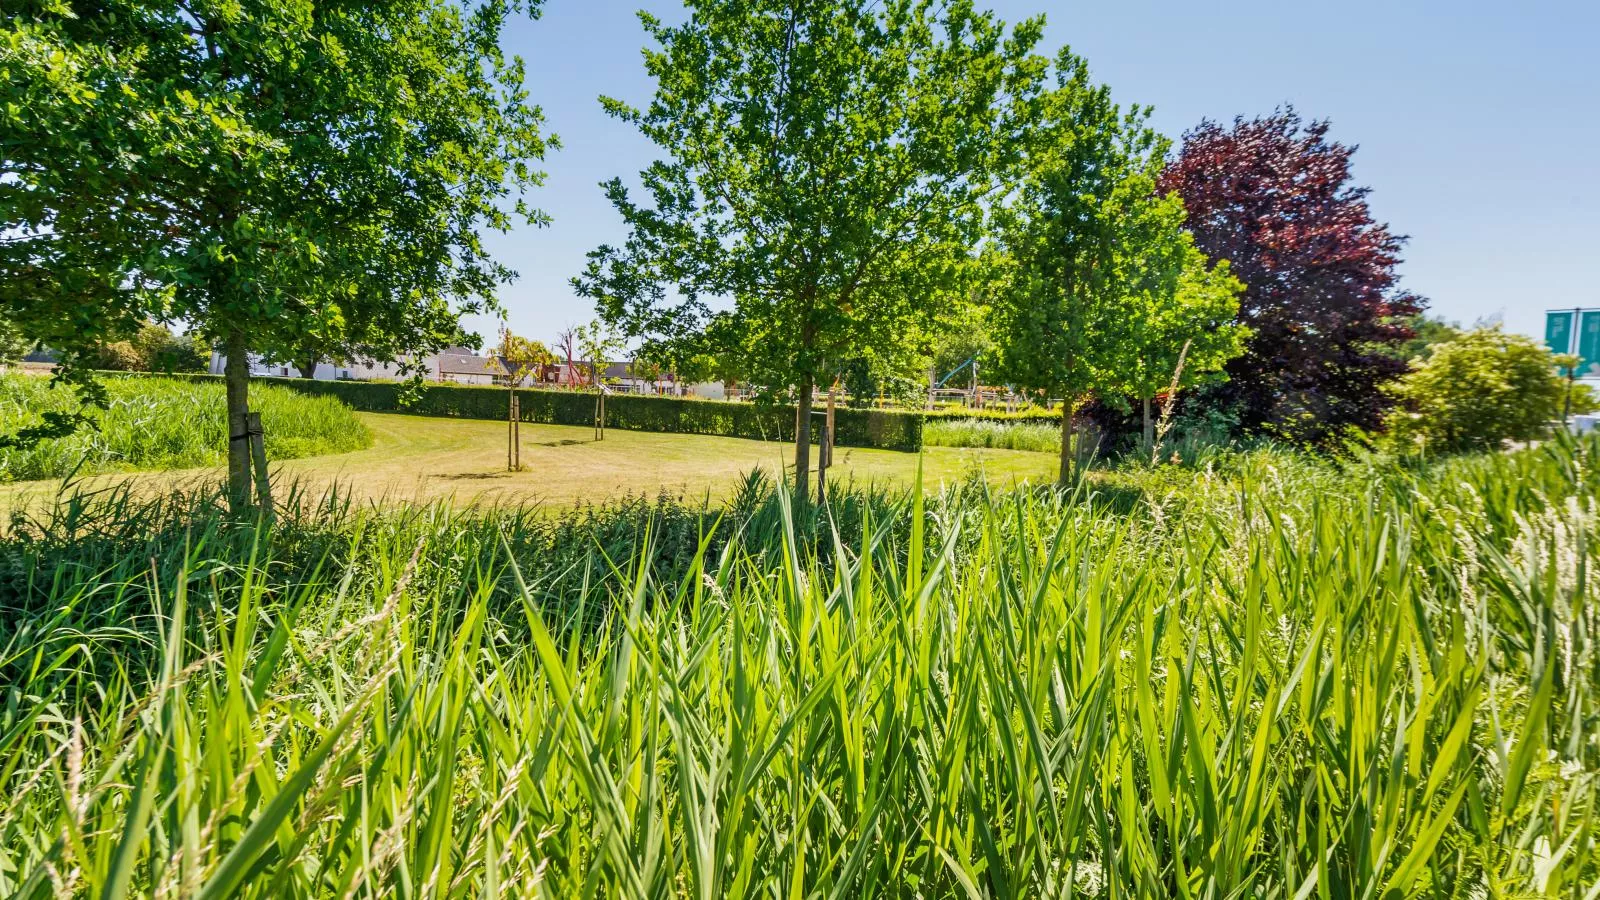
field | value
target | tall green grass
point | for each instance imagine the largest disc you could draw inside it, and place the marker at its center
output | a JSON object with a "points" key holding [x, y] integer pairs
{"points": [[164, 423], [1285, 680], [1002, 435]]}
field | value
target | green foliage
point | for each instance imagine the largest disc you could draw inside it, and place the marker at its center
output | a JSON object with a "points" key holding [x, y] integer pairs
{"points": [[1280, 678], [523, 357], [1069, 275], [162, 423], [995, 433], [13, 344], [828, 165], [153, 348], [118, 356], [1183, 330], [282, 174], [1476, 392], [1098, 289], [1426, 331], [598, 345], [886, 429]]}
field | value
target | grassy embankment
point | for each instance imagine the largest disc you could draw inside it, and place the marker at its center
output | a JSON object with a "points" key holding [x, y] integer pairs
{"points": [[1276, 679]]}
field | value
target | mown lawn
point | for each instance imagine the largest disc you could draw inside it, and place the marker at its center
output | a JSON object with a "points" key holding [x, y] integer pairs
{"points": [[414, 457]]}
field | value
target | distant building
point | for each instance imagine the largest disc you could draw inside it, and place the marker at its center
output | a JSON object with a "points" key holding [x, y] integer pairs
{"points": [[458, 365]]}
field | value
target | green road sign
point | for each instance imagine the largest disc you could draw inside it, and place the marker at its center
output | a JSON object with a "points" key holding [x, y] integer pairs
{"points": [[1588, 339], [1558, 331]]}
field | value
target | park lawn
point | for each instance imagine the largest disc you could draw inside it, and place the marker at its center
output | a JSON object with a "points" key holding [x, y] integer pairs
{"points": [[416, 457]]}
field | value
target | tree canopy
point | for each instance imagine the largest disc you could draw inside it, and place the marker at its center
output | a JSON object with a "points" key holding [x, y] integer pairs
{"points": [[1478, 391], [1274, 197], [1099, 290], [278, 174], [827, 165]]}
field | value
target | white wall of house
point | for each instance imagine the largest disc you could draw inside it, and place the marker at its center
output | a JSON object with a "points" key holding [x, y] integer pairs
{"points": [[710, 390]]}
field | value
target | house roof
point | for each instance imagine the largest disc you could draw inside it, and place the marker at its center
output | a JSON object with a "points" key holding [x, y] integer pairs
{"points": [[450, 363], [614, 369]]}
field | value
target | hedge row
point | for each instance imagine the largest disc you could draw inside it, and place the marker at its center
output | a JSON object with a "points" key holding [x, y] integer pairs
{"points": [[998, 414], [630, 412]]}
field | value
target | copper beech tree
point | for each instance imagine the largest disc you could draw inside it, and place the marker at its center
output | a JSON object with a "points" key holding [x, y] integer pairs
{"points": [[1274, 197]]}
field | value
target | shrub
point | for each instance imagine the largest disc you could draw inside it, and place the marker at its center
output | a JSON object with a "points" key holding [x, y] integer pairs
{"points": [[165, 423], [1476, 392], [118, 356]]}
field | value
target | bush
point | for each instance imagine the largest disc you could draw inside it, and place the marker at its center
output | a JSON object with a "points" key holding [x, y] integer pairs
{"points": [[118, 356], [993, 433], [160, 350], [165, 423], [1476, 392], [628, 412]]}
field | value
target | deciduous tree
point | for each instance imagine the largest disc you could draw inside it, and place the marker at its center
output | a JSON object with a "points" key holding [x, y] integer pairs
{"points": [[1091, 253], [827, 164], [1476, 392], [1274, 196], [278, 173]]}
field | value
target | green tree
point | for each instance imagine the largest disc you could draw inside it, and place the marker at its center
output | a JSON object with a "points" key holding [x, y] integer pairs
{"points": [[1426, 331], [278, 173], [828, 164], [522, 357], [1476, 392], [1088, 245], [159, 350], [1184, 327]]}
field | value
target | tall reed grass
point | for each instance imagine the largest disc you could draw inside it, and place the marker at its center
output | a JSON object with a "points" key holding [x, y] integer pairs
{"points": [[1285, 680], [165, 423], [992, 433]]}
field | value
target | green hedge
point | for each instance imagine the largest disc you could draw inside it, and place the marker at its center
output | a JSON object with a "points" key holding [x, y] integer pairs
{"points": [[999, 414], [629, 412]]}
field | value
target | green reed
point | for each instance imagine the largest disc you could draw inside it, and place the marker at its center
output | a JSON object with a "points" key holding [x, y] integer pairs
{"points": [[165, 423], [1286, 680]]}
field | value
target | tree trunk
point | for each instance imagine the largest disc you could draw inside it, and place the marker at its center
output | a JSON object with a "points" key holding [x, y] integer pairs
{"points": [[1065, 477], [236, 375], [308, 367], [802, 442], [1149, 429], [1089, 436]]}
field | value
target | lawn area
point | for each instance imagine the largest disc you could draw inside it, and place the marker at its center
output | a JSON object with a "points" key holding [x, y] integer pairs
{"points": [[414, 457]]}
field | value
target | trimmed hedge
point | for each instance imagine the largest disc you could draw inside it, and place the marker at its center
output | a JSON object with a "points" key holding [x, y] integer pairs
{"points": [[888, 430], [1030, 414]]}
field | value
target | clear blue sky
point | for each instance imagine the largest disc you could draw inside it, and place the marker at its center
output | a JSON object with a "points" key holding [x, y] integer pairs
{"points": [[1478, 125]]}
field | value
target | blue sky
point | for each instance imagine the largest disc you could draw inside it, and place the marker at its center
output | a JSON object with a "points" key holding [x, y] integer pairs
{"points": [[1478, 125]]}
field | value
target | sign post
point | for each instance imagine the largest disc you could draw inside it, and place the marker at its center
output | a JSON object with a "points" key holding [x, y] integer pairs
{"points": [[1575, 331]]}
